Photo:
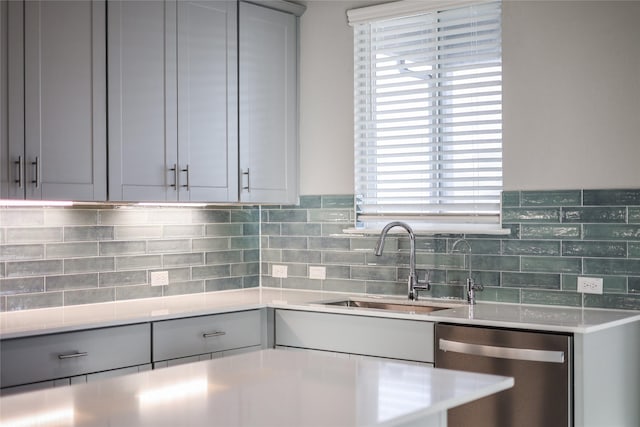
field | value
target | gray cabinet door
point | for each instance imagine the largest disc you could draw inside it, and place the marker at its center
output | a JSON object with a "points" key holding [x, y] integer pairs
{"points": [[207, 101], [141, 45], [62, 152], [172, 101], [268, 105]]}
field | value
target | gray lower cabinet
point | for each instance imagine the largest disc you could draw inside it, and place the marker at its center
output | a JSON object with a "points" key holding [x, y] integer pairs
{"points": [[362, 335], [204, 337], [55, 100], [70, 357]]}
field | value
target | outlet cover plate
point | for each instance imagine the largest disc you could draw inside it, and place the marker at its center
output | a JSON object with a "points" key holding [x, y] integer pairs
{"points": [[590, 285], [279, 271], [317, 272], [159, 278]]}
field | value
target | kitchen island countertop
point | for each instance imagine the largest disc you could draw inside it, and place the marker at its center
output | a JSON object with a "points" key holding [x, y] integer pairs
{"points": [[263, 388]]}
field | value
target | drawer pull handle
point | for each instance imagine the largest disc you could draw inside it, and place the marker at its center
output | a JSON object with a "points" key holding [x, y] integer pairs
{"points": [[73, 355], [213, 334]]}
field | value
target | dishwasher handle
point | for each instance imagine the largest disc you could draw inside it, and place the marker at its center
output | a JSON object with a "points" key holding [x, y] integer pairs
{"points": [[502, 352]]}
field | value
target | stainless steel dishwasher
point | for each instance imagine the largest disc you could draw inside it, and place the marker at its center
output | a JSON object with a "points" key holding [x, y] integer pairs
{"points": [[540, 363]]}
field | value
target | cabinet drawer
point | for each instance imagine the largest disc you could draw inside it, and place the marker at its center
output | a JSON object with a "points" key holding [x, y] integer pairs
{"points": [[27, 360], [205, 334], [371, 336]]}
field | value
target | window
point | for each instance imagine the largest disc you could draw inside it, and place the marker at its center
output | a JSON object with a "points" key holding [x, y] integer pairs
{"points": [[428, 114]]}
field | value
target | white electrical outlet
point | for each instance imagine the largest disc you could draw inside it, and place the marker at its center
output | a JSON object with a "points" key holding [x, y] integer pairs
{"points": [[590, 285], [279, 271], [159, 278], [316, 272]]}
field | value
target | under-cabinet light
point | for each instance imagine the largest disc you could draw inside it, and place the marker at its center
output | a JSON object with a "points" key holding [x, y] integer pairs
{"points": [[27, 203], [173, 205]]}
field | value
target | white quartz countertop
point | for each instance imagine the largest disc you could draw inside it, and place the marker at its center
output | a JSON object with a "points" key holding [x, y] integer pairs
{"points": [[533, 317], [263, 388]]}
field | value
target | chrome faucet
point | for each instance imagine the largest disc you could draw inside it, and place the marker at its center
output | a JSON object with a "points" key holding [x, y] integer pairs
{"points": [[472, 287], [414, 284]]}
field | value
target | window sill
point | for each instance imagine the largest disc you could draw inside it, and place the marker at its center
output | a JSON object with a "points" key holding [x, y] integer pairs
{"points": [[430, 229]]}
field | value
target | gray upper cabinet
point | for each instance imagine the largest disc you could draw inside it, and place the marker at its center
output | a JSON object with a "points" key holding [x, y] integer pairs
{"points": [[268, 107], [55, 141], [172, 101]]}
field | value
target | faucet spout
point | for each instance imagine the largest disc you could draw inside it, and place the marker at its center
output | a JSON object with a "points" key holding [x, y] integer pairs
{"points": [[471, 286], [414, 284]]}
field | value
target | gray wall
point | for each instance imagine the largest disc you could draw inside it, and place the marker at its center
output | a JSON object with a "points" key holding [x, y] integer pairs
{"points": [[571, 95]]}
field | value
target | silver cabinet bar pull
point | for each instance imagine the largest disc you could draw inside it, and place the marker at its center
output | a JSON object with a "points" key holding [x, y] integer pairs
{"points": [[174, 169], [36, 165], [502, 352], [73, 355], [213, 334], [186, 169], [20, 164], [248, 175]]}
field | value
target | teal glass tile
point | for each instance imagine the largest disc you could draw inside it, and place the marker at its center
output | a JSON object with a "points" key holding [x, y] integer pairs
{"points": [[530, 247], [539, 215], [634, 285], [338, 271], [551, 264], [496, 263], [210, 271], [343, 257], [210, 244], [369, 244], [22, 285], [625, 302], [272, 255], [270, 229], [184, 288], [251, 229], [21, 252], [373, 273], [271, 282], [630, 267], [287, 215], [251, 281], [221, 230], [70, 216], [442, 261], [611, 197], [89, 296], [633, 215], [182, 230], [569, 282], [338, 201], [551, 198], [310, 202], [33, 301], [445, 291], [122, 248], [208, 216], [168, 245], [329, 215], [594, 249], [386, 288], [222, 257], [89, 233], [570, 299], [123, 278], [138, 292], [594, 215], [496, 294], [485, 278], [226, 284], [528, 231], [308, 257], [426, 244], [288, 242], [138, 262], [33, 268], [340, 285], [611, 232], [478, 246], [329, 243], [245, 215], [251, 255], [247, 242], [510, 198], [335, 229], [531, 280], [300, 229], [302, 283], [245, 269], [387, 258]]}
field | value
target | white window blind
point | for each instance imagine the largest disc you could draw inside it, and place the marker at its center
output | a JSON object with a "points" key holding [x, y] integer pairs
{"points": [[428, 116]]}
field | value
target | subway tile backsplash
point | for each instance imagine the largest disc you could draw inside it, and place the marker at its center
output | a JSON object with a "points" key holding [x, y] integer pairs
{"points": [[63, 256], [555, 237]]}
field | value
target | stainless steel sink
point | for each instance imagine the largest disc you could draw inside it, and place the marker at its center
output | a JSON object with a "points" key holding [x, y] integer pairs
{"points": [[394, 306]]}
